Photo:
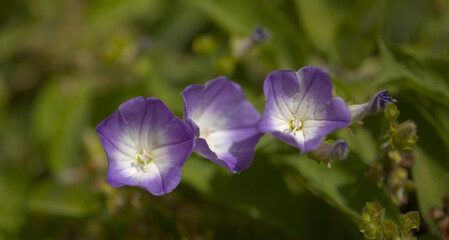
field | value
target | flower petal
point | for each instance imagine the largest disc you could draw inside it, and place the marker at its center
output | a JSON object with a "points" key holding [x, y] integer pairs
{"points": [[218, 104], [336, 115], [218, 112], [114, 138], [147, 122], [157, 180], [281, 92], [315, 91], [232, 149]]}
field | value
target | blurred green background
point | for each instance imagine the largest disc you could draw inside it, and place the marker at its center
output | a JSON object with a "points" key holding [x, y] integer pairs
{"points": [[67, 65]]}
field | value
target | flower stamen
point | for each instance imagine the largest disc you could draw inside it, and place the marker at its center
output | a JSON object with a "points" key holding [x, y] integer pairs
{"points": [[205, 133], [295, 124], [143, 159]]}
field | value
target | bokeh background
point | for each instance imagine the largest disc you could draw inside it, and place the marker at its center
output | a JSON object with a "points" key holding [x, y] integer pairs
{"points": [[67, 65]]}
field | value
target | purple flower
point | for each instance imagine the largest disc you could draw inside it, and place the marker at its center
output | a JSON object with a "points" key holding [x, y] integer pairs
{"points": [[146, 145], [300, 109], [223, 122], [377, 103]]}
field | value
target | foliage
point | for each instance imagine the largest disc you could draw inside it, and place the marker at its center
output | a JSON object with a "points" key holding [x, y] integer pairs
{"points": [[67, 65]]}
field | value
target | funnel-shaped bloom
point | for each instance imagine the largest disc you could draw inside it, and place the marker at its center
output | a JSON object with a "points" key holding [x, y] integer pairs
{"points": [[377, 103], [223, 121], [300, 109], [146, 145]]}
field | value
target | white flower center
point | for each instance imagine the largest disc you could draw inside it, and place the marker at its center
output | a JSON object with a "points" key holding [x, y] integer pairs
{"points": [[295, 124], [143, 159], [205, 133]]}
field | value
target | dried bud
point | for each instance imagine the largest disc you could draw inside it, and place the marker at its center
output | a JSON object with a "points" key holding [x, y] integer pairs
{"points": [[446, 203], [436, 213]]}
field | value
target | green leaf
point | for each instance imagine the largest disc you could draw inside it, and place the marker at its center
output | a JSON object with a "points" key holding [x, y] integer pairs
{"points": [[199, 173], [13, 185], [59, 115], [240, 18], [263, 193], [344, 32], [355, 38], [428, 237], [367, 151], [426, 76], [107, 13], [48, 197], [432, 183], [435, 115], [12, 39], [402, 18], [345, 185], [318, 22]]}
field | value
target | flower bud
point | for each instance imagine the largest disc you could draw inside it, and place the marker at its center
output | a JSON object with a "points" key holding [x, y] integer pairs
{"points": [[409, 221], [375, 105], [260, 34], [204, 45], [404, 135], [390, 230], [369, 230], [241, 46], [330, 150], [225, 65]]}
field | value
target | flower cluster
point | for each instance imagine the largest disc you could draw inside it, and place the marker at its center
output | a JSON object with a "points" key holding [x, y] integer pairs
{"points": [[147, 145]]}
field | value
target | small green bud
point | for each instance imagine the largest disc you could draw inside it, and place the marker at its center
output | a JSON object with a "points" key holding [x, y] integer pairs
{"points": [[370, 230], [375, 228], [225, 65], [204, 45], [409, 221], [395, 155], [404, 135], [392, 112], [399, 175], [390, 230], [373, 212]]}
